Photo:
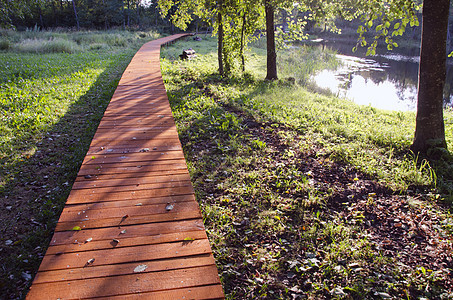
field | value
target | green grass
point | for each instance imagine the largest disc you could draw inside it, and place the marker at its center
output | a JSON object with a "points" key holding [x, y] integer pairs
{"points": [[300, 191], [51, 101]]}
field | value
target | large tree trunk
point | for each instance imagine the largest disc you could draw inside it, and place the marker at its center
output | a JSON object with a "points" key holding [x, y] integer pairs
{"points": [[270, 37], [220, 40], [75, 13], [429, 130]]}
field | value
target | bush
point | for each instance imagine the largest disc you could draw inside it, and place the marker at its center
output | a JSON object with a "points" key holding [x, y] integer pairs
{"points": [[5, 45]]}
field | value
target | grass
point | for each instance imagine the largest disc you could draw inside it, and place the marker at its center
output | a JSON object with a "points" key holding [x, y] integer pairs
{"points": [[51, 101], [304, 194]]}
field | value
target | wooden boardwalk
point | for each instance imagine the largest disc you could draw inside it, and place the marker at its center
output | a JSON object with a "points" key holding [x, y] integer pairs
{"points": [[131, 227]]}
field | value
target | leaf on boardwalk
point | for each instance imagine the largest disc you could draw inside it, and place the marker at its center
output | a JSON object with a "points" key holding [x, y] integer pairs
{"points": [[89, 262], [169, 206], [76, 228], [140, 268]]}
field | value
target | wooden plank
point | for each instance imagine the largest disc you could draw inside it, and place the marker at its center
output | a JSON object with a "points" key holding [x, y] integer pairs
{"points": [[130, 216], [123, 269], [132, 136], [125, 255], [126, 242], [100, 177], [131, 203], [142, 180], [132, 157], [134, 121], [137, 147], [108, 234], [127, 129], [136, 283], [134, 167], [78, 196], [202, 292]]}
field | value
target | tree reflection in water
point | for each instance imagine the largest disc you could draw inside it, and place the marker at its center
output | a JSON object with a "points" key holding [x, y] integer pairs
{"points": [[386, 81]]}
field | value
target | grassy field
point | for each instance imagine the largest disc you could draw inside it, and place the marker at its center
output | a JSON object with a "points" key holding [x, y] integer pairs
{"points": [[54, 88], [306, 195]]}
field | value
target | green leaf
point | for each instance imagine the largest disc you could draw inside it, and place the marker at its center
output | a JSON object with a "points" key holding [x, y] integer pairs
{"points": [[397, 25], [76, 228]]}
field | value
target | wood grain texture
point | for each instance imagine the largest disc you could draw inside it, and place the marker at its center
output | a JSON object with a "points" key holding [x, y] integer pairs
{"points": [[131, 227]]}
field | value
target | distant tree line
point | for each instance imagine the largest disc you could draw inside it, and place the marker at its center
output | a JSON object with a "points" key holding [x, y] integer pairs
{"points": [[89, 14]]}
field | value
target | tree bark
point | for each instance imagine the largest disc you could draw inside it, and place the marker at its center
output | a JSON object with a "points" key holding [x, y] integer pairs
{"points": [[270, 38], [429, 129], [244, 19], [75, 13], [138, 14], [128, 13], [220, 40]]}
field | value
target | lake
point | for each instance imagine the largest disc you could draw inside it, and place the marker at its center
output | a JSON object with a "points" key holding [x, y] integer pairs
{"points": [[387, 80]]}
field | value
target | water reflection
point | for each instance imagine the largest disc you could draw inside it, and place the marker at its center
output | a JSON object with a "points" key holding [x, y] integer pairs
{"points": [[387, 81]]}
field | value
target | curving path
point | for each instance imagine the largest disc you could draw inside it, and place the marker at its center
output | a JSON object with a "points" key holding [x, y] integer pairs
{"points": [[131, 227]]}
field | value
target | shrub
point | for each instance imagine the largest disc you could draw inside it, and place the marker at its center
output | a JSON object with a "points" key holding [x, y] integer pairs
{"points": [[5, 45]]}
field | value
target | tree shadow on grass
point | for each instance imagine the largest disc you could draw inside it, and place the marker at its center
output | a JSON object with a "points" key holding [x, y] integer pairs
{"points": [[374, 223]]}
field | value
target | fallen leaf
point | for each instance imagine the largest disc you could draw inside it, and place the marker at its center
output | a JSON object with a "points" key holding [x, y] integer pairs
{"points": [[384, 295], [26, 276], [90, 261], [338, 291], [140, 268], [76, 228], [169, 206]]}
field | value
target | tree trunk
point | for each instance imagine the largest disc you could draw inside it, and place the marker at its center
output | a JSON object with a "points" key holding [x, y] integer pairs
{"points": [[124, 14], [429, 129], [105, 14], [75, 13], [244, 19], [220, 40], [270, 38], [128, 13], [138, 14]]}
